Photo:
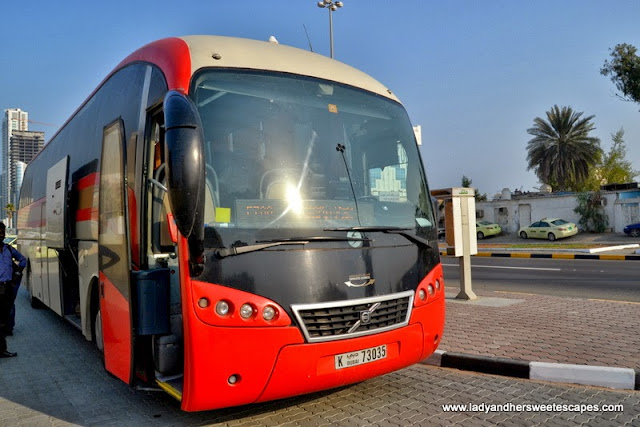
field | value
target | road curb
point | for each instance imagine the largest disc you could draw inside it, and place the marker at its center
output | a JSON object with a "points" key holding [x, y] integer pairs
{"points": [[554, 256], [602, 376]]}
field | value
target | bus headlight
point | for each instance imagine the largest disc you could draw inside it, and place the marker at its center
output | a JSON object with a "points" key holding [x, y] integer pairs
{"points": [[246, 311], [222, 308], [268, 313]]}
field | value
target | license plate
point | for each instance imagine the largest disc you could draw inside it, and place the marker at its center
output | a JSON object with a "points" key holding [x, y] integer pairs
{"points": [[355, 358]]}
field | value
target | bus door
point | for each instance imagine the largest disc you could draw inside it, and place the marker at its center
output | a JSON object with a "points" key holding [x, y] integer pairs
{"points": [[56, 213], [113, 248]]}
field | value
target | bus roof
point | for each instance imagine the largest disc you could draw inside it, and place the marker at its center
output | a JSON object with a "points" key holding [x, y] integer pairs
{"points": [[264, 55], [231, 52]]}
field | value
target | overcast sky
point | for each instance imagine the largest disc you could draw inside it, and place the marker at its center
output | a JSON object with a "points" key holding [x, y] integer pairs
{"points": [[473, 74]]}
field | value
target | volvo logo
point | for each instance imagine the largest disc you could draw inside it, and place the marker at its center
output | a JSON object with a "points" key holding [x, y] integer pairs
{"points": [[360, 280], [365, 317]]}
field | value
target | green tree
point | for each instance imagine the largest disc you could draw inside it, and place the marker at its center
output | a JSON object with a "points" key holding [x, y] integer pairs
{"points": [[561, 152], [614, 167], [624, 71], [466, 183], [10, 208], [592, 216]]}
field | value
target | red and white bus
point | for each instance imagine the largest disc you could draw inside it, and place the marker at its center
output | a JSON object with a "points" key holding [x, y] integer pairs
{"points": [[237, 221]]}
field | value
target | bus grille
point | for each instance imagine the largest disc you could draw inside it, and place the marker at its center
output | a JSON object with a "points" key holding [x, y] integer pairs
{"points": [[347, 319]]}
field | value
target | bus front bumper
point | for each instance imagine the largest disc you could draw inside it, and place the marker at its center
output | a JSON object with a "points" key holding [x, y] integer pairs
{"points": [[236, 366]]}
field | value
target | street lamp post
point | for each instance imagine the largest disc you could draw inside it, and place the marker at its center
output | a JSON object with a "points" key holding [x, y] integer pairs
{"points": [[332, 6]]}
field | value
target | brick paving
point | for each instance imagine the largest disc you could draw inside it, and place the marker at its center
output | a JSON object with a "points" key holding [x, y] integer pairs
{"points": [[545, 329], [58, 379]]}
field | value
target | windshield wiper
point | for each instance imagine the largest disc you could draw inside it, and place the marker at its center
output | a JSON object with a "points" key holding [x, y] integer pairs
{"points": [[317, 239], [264, 244], [387, 230], [239, 250]]}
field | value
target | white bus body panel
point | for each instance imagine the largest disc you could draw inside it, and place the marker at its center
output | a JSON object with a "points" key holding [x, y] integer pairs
{"points": [[87, 272], [56, 205], [54, 285]]}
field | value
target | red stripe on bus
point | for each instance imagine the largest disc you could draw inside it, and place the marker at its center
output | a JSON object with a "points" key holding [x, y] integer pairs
{"points": [[87, 214], [171, 55], [88, 181]]}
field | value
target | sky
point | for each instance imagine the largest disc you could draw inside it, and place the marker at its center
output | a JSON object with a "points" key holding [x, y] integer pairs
{"points": [[473, 74]]}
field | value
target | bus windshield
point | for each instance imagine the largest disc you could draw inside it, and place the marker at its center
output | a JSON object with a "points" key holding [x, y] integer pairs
{"points": [[285, 153]]}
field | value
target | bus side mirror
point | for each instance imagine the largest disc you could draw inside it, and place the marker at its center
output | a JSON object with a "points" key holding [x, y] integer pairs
{"points": [[184, 154]]}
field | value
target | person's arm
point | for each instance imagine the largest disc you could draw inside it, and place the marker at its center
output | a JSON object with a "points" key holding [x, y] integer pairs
{"points": [[22, 260]]}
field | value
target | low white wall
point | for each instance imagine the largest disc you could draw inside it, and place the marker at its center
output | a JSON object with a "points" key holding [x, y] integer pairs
{"points": [[510, 213]]}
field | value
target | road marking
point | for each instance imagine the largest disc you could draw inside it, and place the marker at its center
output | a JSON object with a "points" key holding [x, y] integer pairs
{"points": [[517, 293], [506, 268]]}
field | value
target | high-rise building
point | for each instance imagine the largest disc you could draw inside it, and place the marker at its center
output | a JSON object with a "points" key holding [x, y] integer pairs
{"points": [[14, 120], [23, 147]]}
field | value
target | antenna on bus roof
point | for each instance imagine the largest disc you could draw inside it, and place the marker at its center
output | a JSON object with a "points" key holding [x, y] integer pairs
{"points": [[273, 39], [308, 39]]}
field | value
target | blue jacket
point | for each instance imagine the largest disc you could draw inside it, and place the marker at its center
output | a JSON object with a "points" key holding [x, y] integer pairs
{"points": [[6, 262]]}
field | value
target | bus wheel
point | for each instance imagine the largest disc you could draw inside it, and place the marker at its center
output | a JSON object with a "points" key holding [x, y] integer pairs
{"points": [[35, 302], [98, 331], [96, 318]]}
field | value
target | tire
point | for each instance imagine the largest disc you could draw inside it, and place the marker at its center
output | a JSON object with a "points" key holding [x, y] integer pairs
{"points": [[635, 232], [96, 318], [551, 237], [523, 235], [480, 235], [97, 330], [33, 301]]}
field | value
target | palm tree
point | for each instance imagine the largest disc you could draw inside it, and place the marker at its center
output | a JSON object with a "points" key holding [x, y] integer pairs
{"points": [[10, 210], [561, 152]]}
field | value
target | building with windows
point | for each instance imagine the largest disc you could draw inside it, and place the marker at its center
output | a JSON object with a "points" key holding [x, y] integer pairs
{"points": [[23, 147], [14, 119]]}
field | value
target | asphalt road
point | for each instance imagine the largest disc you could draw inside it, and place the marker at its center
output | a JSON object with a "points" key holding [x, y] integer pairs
{"points": [[597, 279]]}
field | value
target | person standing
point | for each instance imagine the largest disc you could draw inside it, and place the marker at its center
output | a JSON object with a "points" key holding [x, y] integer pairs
{"points": [[7, 288]]}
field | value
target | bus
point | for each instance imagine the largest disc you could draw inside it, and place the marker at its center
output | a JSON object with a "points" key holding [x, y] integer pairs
{"points": [[236, 221]]}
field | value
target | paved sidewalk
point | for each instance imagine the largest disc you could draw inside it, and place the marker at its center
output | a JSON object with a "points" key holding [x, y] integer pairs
{"points": [[544, 328], [503, 332]]}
